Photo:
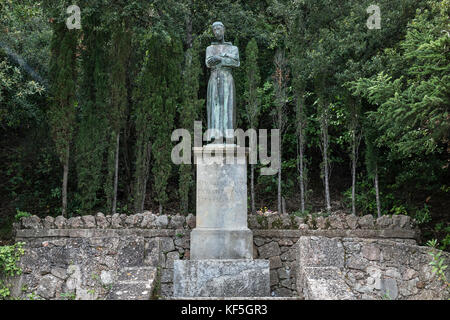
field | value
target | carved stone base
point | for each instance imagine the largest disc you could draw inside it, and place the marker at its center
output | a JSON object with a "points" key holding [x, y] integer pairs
{"points": [[221, 244], [221, 278]]}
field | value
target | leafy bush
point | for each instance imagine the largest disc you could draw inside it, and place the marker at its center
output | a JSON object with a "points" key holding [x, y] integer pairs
{"points": [[21, 214], [437, 262], [9, 257]]}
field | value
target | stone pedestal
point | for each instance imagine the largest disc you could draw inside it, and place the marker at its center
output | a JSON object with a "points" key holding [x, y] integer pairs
{"points": [[221, 278], [221, 256], [221, 227]]}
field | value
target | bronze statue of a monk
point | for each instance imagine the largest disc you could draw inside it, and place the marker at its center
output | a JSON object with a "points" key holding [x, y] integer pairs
{"points": [[221, 57]]}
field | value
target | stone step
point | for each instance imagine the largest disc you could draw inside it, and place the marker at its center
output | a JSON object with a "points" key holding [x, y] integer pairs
{"points": [[235, 298], [134, 283]]}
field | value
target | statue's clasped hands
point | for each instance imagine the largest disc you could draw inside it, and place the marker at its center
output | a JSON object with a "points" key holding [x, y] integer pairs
{"points": [[214, 60]]}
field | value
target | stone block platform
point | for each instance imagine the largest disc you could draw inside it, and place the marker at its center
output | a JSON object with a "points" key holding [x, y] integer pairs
{"points": [[221, 278]]}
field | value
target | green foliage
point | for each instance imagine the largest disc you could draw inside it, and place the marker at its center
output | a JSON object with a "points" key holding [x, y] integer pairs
{"points": [[252, 92], [189, 111], [21, 214], [120, 51], [69, 295], [423, 215], [364, 198], [413, 108], [158, 94], [9, 257], [17, 105], [92, 137], [437, 263]]}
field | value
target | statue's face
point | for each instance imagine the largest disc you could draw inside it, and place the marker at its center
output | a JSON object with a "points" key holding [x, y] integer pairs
{"points": [[218, 31]]}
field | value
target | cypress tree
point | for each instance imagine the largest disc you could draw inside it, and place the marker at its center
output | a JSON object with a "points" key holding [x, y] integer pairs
{"points": [[63, 104], [119, 56], [92, 136], [157, 94], [253, 99], [188, 114]]}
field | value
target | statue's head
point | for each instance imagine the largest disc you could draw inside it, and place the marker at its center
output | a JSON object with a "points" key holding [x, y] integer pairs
{"points": [[219, 30]]}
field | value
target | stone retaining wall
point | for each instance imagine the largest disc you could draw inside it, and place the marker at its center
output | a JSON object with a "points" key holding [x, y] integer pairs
{"points": [[82, 257], [369, 269]]}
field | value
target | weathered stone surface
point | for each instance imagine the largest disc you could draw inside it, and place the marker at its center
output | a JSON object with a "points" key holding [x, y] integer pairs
{"points": [[89, 222], [60, 273], [33, 222], [366, 222], [371, 252], [321, 223], [370, 269], [135, 284], [337, 222], [410, 274], [101, 221], [275, 262], [274, 280], [283, 274], [221, 244], [282, 292], [221, 188], [321, 252], [384, 222], [107, 277], [161, 222], [253, 222], [116, 221], [325, 283], [285, 242], [48, 223], [352, 221], [167, 244], [48, 286], [258, 241], [389, 288], [190, 221], [177, 222], [60, 222], [171, 257], [221, 278], [75, 223], [133, 220], [131, 252], [303, 227], [405, 222], [271, 249], [148, 220]]}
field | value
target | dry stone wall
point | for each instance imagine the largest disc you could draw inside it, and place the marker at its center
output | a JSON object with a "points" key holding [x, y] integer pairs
{"points": [[90, 257], [369, 269]]}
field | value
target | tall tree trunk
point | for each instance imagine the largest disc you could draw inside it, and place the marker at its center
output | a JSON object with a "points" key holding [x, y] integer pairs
{"points": [[301, 148], [145, 177], [353, 171], [377, 191], [302, 178], [324, 127], [279, 162], [252, 187], [65, 181], [116, 175], [189, 38]]}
